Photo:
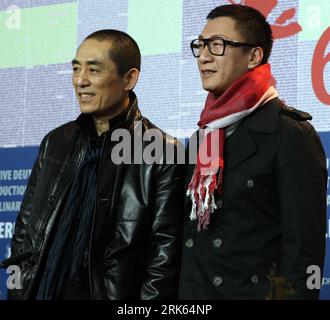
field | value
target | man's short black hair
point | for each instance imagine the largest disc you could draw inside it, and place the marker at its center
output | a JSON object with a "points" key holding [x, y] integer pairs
{"points": [[124, 51], [250, 23]]}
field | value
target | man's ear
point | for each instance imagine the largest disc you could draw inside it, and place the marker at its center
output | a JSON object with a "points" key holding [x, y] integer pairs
{"points": [[256, 56], [130, 78]]}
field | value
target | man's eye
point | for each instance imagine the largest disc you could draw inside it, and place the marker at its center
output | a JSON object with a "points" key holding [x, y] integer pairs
{"points": [[94, 70]]}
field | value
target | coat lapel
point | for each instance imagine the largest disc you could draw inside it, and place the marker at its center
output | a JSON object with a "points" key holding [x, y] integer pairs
{"points": [[241, 145], [238, 147]]}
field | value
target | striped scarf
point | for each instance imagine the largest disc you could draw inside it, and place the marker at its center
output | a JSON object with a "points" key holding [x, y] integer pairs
{"points": [[219, 118]]}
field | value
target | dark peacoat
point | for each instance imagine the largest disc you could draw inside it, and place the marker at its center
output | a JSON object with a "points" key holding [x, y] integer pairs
{"points": [[271, 218]]}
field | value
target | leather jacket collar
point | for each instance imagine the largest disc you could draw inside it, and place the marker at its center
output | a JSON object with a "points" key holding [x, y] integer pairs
{"points": [[125, 119]]}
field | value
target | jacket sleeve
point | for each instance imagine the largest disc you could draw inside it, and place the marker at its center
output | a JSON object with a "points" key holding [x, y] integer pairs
{"points": [[301, 182], [164, 256], [23, 218]]}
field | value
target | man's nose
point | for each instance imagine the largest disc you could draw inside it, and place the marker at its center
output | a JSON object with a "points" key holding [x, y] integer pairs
{"points": [[206, 55], [83, 80]]}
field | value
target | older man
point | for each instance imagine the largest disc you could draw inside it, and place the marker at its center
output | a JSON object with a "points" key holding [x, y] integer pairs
{"points": [[90, 227]]}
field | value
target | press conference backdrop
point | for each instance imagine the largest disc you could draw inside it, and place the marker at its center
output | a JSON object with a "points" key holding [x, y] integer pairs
{"points": [[38, 39]]}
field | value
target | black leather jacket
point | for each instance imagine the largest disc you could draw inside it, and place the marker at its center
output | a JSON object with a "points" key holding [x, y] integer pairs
{"points": [[134, 251]]}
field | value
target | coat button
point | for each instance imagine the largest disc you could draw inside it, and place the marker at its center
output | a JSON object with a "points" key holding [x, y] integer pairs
{"points": [[217, 281], [217, 243], [254, 279], [250, 183], [219, 203], [51, 198], [189, 243]]}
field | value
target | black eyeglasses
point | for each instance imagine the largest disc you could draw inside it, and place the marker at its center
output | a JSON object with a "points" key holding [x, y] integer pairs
{"points": [[216, 45]]}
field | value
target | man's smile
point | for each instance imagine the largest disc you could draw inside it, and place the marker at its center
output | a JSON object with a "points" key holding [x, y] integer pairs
{"points": [[86, 96], [207, 72]]}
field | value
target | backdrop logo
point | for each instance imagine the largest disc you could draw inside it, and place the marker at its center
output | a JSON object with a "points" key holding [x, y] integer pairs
{"points": [[280, 28], [320, 60]]}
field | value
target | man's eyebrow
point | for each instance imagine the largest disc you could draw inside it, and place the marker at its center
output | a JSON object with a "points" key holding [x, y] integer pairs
{"points": [[74, 61], [213, 36], [90, 62]]}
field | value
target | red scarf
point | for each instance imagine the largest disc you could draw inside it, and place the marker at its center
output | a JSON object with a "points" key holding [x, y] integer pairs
{"points": [[242, 97]]}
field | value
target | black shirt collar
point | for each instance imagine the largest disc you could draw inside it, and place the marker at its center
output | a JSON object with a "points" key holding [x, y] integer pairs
{"points": [[85, 121]]}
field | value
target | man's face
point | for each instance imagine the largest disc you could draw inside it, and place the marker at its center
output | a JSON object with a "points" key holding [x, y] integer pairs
{"points": [[99, 89], [219, 72]]}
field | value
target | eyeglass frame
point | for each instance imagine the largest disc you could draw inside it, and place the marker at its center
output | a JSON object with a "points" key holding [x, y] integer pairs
{"points": [[225, 42]]}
